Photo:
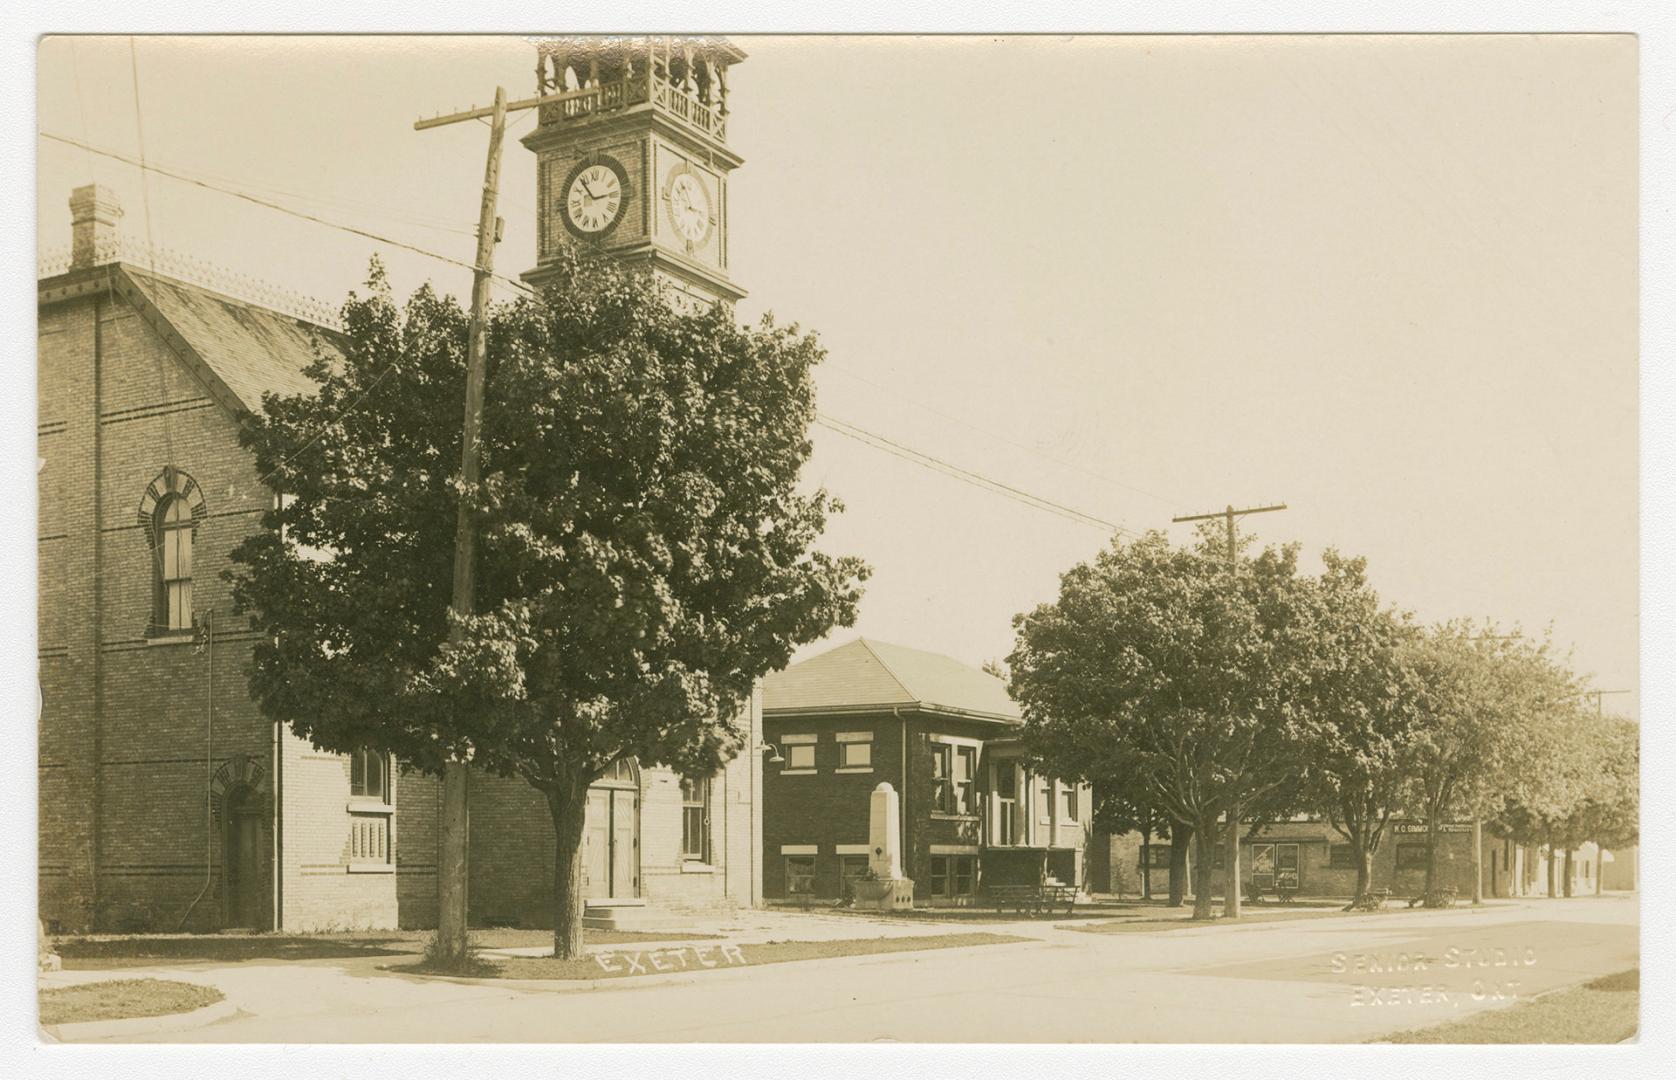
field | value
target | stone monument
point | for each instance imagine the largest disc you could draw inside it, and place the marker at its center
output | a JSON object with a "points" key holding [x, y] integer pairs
{"points": [[887, 889]]}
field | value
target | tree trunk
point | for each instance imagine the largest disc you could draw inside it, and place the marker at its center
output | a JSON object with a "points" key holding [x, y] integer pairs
{"points": [[1477, 859], [1180, 838], [1364, 870], [1431, 853], [1566, 883], [1203, 841], [1146, 862], [1551, 890], [1600, 865], [569, 807], [1231, 877]]}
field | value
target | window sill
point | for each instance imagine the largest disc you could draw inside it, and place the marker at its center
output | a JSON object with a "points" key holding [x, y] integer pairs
{"points": [[369, 806], [798, 772], [939, 815], [854, 769], [173, 637], [694, 867], [371, 868]]}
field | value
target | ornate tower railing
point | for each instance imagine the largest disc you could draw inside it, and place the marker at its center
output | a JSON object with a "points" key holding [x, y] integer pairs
{"points": [[685, 78]]}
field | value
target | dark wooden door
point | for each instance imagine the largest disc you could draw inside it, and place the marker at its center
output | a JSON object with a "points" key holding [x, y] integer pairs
{"points": [[243, 859]]}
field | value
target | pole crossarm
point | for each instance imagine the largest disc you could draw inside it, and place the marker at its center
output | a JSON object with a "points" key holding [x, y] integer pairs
{"points": [[1230, 511], [475, 113]]}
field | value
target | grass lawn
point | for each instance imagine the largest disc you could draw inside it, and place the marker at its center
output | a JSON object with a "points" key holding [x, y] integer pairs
{"points": [[1603, 1011], [624, 963], [100, 952], [123, 999]]}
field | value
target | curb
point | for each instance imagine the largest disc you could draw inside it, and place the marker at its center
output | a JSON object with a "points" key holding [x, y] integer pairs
{"points": [[576, 986], [139, 1025]]}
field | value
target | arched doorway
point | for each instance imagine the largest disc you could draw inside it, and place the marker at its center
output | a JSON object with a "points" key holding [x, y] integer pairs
{"points": [[243, 897], [611, 837]]}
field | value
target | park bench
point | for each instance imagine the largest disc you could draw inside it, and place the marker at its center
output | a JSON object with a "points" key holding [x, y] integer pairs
{"points": [[1372, 900], [1444, 897], [1255, 893], [1033, 900]]}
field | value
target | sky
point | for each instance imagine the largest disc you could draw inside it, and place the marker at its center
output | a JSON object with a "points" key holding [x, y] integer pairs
{"points": [[1390, 282]]}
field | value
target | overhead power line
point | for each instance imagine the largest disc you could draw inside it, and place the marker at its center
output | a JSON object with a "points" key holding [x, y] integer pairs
{"points": [[842, 427], [947, 468], [280, 207]]}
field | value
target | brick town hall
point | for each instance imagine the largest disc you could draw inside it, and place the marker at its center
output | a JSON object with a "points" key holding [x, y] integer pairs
{"points": [[167, 801]]}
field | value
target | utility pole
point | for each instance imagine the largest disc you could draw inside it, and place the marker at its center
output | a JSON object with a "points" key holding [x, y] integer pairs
{"points": [[451, 876], [1600, 711], [456, 821], [1231, 877]]}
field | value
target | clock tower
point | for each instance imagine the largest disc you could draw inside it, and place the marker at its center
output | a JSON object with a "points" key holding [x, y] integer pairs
{"points": [[632, 156]]}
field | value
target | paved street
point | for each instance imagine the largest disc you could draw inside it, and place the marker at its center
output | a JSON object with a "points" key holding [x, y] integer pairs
{"points": [[1310, 980]]}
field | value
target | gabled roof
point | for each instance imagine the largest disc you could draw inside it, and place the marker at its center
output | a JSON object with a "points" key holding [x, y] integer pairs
{"points": [[239, 349], [253, 349], [871, 675]]}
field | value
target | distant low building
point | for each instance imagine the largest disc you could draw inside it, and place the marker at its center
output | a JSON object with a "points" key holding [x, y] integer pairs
{"points": [[945, 736], [1309, 858]]}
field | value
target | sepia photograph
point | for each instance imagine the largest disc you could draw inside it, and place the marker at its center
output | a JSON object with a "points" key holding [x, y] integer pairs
{"points": [[657, 538]]}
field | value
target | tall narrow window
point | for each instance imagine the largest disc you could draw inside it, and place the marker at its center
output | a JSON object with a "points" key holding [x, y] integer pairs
{"points": [[965, 772], [695, 820], [369, 775], [174, 534], [942, 769]]}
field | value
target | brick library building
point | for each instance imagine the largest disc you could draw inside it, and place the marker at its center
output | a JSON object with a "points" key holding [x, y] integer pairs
{"points": [[945, 737]]}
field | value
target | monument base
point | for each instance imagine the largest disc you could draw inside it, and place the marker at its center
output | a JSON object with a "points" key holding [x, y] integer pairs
{"points": [[891, 894]]}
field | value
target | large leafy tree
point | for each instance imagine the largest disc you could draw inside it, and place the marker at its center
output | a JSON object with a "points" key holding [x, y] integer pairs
{"points": [[1496, 738], [645, 551], [1160, 666], [1361, 715]]}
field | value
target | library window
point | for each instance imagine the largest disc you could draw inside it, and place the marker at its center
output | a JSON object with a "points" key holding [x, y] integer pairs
{"points": [[953, 876], [800, 875]]}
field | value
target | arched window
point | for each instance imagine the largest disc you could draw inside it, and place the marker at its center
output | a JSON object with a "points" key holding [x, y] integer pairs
{"points": [[369, 775], [174, 546], [695, 819]]}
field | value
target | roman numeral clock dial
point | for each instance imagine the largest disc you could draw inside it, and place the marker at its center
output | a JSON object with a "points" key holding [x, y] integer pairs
{"points": [[594, 198]]}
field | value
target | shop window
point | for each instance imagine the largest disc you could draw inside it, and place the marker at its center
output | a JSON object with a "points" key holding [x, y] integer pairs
{"points": [[1341, 857], [1411, 857]]}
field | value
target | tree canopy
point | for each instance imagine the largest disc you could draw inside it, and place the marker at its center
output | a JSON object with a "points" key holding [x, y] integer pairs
{"points": [[645, 552], [1171, 681]]}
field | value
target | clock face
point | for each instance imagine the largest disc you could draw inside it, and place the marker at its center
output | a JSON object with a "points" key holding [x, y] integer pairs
{"points": [[689, 207], [594, 199]]}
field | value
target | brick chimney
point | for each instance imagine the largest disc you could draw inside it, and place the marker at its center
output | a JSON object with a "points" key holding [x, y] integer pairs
{"points": [[94, 213]]}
